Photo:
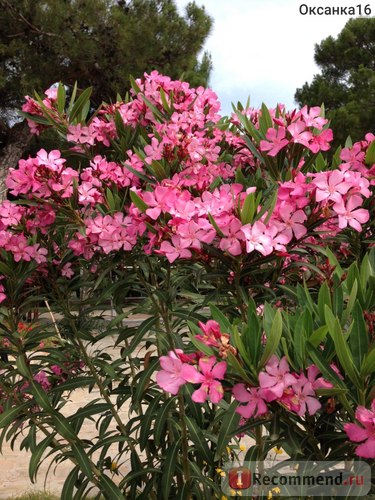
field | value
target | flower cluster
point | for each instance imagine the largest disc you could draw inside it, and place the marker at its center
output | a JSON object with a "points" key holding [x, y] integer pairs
{"points": [[294, 391]]}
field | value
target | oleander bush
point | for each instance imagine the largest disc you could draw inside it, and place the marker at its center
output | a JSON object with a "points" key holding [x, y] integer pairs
{"points": [[250, 255]]}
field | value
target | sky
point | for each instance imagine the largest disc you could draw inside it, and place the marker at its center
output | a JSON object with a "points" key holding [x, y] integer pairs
{"points": [[265, 48]]}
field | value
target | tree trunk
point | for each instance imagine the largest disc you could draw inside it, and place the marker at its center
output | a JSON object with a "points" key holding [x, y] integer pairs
{"points": [[17, 139]]}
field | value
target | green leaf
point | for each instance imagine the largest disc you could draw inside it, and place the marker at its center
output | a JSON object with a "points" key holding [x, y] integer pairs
{"points": [[134, 85], [138, 202], [161, 419], [63, 427], [265, 120], [61, 98], [229, 424], [273, 339], [358, 338], [238, 369], [318, 336], [68, 488], [146, 421], [223, 321], [215, 226], [144, 379], [324, 299], [79, 105], [36, 456], [74, 383], [248, 209], [82, 459], [23, 366], [9, 416], [41, 397], [169, 467], [110, 489], [368, 366], [200, 444], [342, 349], [370, 155]]}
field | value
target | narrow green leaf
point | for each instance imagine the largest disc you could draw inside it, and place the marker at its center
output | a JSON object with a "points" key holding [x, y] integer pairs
{"points": [[79, 105], [161, 419], [223, 321], [61, 98], [342, 349], [370, 154], [36, 456], [368, 366], [273, 339], [70, 481], [248, 209], [358, 338], [229, 424], [169, 467], [200, 444], [82, 459], [215, 226], [9, 416], [110, 489], [138, 202]]}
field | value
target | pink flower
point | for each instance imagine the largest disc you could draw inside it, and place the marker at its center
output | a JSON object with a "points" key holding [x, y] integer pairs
{"points": [[348, 215], [293, 220], [317, 383], [276, 141], [42, 379], [275, 379], [330, 186], [303, 398], [364, 433], [257, 238], [255, 404], [211, 331], [299, 134], [176, 249], [312, 118], [170, 378], [232, 243], [321, 142], [209, 377]]}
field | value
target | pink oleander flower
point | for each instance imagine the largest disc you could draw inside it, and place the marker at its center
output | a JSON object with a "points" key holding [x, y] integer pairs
{"points": [[257, 238], [234, 235], [176, 249], [170, 378], [330, 186], [321, 142], [299, 133], [317, 382], [211, 373], [312, 117], [255, 406], [303, 397], [293, 221], [211, 333], [275, 379], [2, 290], [42, 379], [349, 214], [364, 433], [275, 141]]}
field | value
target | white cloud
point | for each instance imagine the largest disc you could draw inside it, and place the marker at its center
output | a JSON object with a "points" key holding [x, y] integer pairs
{"points": [[265, 48]]}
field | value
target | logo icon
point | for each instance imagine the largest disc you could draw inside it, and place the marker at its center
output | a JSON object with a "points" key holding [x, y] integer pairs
{"points": [[239, 478]]}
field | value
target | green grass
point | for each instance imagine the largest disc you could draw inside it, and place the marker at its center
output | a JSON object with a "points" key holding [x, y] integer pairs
{"points": [[37, 495]]}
